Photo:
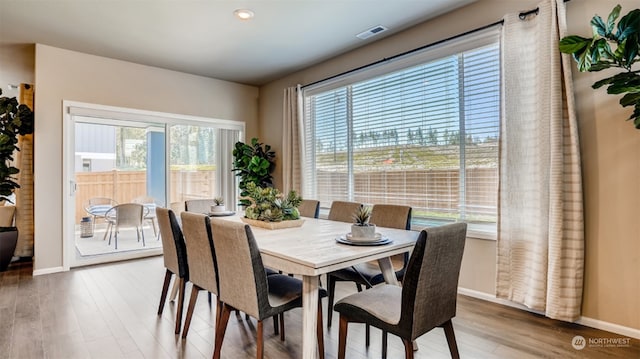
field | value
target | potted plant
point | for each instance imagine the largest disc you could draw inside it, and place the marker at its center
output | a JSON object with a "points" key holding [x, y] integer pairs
{"points": [[612, 46], [219, 205], [253, 164], [362, 229], [15, 120]]}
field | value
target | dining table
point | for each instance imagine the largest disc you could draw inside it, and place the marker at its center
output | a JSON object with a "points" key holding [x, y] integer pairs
{"points": [[313, 249]]}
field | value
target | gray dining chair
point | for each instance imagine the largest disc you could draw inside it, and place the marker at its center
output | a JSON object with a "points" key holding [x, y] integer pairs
{"points": [[343, 211], [309, 208], [202, 261], [427, 298], [369, 274], [174, 254], [244, 284], [199, 205]]}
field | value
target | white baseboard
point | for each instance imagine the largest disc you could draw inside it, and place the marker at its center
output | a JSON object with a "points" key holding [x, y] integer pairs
{"points": [[610, 327], [589, 322], [48, 270]]}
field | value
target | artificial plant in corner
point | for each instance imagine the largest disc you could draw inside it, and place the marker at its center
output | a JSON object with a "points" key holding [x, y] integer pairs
{"points": [[15, 120], [253, 163], [612, 46]]}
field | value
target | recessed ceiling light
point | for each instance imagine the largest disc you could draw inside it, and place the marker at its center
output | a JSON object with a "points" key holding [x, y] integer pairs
{"points": [[243, 14]]}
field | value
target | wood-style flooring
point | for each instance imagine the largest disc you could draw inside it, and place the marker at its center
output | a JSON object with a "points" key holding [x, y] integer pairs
{"points": [[109, 311]]}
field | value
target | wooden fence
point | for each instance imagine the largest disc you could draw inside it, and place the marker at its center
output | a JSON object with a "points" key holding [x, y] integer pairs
{"points": [[429, 190], [124, 186]]}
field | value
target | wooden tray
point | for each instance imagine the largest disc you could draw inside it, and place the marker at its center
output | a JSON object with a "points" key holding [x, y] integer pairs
{"points": [[273, 225]]}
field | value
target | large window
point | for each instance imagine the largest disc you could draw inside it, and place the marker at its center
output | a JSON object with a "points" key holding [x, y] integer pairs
{"points": [[425, 135]]}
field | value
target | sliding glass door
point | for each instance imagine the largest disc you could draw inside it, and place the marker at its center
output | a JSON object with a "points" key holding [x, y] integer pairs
{"points": [[118, 158]]}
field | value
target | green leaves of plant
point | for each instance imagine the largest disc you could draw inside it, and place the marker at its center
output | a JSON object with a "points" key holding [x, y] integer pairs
{"points": [[14, 120], [253, 163], [596, 54]]}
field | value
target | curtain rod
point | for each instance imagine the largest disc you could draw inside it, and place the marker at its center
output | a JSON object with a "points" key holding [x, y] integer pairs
{"points": [[521, 15]]}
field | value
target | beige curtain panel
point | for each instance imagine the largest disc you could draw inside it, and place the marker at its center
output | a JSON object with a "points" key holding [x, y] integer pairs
{"points": [[292, 140], [24, 195], [541, 229]]}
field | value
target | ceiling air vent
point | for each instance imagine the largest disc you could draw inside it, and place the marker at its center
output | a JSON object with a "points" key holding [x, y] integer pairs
{"points": [[371, 32]]}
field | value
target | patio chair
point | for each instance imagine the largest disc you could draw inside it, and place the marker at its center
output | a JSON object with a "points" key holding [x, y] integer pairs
{"points": [[97, 207], [126, 215]]}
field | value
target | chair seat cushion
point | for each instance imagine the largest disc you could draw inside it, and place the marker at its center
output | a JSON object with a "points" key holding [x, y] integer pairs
{"points": [[380, 306], [284, 289], [370, 271]]}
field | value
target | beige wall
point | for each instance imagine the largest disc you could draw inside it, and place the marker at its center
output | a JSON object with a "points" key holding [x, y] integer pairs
{"points": [[610, 148], [16, 67], [67, 75]]}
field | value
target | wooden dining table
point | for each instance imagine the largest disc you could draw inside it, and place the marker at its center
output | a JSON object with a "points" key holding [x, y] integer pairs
{"points": [[312, 250]]}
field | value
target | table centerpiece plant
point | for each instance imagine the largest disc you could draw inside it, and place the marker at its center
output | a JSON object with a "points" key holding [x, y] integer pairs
{"points": [[361, 228], [270, 205]]}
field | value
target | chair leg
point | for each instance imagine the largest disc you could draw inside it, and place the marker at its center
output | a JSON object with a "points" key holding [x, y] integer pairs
{"points": [[331, 283], [260, 341], [320, 332], [384, 344], [367, 335], [342, 337], [165, 289], [142, 232], [209, 297], [281, 315], [221, 328], [451, 339], [408, 348], [276, 329], [183, 285], [192, 304]]}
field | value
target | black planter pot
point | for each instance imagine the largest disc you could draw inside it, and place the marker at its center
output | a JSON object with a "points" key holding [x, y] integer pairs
{"points": [[8, 241]]}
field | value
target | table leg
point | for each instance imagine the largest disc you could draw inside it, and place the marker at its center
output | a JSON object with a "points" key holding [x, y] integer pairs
{"points": [[309, 316], [387, 271]]}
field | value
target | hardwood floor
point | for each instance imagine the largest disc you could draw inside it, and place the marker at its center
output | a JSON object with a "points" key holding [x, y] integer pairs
{"points": [[109, 311]]}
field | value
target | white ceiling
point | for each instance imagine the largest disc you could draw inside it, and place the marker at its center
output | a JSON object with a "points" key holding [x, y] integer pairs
{"points": [[203, 37]]}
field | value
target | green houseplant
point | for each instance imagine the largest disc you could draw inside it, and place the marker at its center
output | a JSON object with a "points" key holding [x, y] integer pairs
{"points": [[15, 120], [253, 163], [612, 46], [270, 205]]}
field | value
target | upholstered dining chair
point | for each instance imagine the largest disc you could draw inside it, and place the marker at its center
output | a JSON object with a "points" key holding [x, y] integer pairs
{"points": [[309, 208], [125, 215], [369, 274], [427, 298], [343, 211], [199, 205], [203, 274], [245, 286], [174, 253]]}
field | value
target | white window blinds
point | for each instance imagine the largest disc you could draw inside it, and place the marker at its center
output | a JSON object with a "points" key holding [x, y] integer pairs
{"points": [[425, 135]]}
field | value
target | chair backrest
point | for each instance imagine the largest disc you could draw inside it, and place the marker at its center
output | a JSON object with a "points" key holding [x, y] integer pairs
{"points": [[128, 214], [343, 211], [430, 286], [241, 274], [196, 228], [174, 250], [391, 216], [309, 208], [199, 205]]}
